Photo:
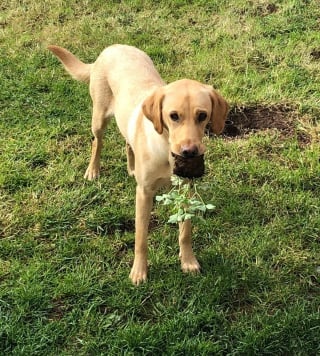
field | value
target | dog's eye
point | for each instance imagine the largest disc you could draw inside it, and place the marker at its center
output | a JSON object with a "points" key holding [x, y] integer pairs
{"points": [[174, 116], [202, 116]]}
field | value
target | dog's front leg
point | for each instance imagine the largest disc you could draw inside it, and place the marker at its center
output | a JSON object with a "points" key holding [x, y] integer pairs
{"points": [[189, 262], [144, 201]]}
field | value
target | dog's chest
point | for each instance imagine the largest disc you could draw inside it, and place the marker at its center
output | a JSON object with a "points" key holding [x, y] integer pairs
{"points": [[142, 136], [132, 126], [157, 145]]}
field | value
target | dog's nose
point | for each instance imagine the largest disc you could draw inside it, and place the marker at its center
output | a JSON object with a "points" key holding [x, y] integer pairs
{"points": [[189, 151]]}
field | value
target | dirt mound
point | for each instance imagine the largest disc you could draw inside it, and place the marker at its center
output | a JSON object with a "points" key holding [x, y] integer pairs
{"points": [[245, 119]]}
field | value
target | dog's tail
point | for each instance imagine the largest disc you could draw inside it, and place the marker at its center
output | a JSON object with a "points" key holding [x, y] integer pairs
{"points": [[77, 69]]}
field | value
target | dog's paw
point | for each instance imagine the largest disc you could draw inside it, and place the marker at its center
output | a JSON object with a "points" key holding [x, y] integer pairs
{"points": [[91, 173], [190, 265], [138, 274]]}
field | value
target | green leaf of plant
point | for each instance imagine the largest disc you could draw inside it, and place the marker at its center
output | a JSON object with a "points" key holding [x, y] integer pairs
{"points": [[202, 208], [188, 216], [210, 207], [173, 219]]}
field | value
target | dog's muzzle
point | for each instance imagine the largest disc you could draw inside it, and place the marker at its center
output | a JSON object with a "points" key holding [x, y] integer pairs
{"points": [[188, 167]]}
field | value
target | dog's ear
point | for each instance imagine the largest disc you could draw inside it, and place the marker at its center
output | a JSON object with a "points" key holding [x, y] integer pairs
{"points": [[152, 109], [219, 111]]}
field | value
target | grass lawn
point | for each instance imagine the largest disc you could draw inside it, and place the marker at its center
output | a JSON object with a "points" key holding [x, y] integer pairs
{"points": [[66, 245]]}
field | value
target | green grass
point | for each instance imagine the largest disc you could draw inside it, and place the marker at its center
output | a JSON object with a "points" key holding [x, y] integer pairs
{"points": [[66, 245]]}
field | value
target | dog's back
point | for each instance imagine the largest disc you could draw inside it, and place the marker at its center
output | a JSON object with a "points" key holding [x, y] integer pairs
{"points": [[130, 74]]}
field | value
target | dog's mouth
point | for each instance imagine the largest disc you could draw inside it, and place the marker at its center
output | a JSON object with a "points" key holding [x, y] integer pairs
{"points": [[188, 167]]}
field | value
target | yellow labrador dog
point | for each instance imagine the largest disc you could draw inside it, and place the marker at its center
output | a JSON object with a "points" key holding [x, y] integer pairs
{"points": [[159, 121]]}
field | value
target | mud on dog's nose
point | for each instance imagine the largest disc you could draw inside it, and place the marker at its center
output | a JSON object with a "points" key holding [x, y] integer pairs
{"points": [[189, 151]]}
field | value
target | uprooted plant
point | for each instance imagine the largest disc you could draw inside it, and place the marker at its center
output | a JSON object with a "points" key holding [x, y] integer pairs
{"points": [[184, 200]]}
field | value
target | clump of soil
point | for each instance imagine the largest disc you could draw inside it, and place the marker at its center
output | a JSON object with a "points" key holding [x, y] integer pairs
{"points": [[192, 167], [245, 119]]}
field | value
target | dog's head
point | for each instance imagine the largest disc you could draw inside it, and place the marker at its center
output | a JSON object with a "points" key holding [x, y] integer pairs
{"points": [[185, 108]]}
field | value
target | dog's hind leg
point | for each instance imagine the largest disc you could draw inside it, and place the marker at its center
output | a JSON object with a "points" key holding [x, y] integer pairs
{"points": [[130, 160], [101, 114]]}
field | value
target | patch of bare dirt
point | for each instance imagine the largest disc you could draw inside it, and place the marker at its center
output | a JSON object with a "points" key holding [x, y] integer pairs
{"points": [[243, 120], [124, 225], [59, 309], [315, 54], [266, 9]]}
